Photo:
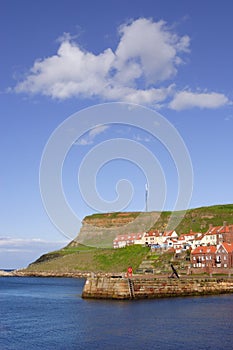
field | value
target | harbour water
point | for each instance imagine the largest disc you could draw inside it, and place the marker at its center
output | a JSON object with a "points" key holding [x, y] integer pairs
{"points": [[49, 313]]}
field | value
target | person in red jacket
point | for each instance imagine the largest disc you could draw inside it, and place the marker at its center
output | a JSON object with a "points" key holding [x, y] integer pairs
{"points": [[130, 271]]}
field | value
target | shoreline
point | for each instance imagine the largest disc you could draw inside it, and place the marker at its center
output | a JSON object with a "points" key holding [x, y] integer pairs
{"points": [[150, 286], [22, 273], [88, 274]]}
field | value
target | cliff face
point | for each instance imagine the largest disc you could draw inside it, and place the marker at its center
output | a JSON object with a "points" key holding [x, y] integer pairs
{"points": [[99, 230]]}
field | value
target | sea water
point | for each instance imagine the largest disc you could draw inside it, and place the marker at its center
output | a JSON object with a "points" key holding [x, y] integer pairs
{"points": [[49, 313]]}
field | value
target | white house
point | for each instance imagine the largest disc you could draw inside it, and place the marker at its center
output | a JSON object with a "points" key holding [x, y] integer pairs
{"points": [[122, 241], [169, 235], [209, 239], [140, 238], [197, 240], [153, 237]]}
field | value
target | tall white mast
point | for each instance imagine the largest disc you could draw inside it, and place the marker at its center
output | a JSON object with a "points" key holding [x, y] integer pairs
{"points": [[146, 196]]}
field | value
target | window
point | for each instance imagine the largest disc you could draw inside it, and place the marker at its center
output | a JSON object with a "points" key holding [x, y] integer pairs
{"points": [[225, 257], [194, 258]]}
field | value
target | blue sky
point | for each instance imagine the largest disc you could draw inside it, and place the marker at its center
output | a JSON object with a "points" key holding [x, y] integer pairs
{"points": [[58, 58]]}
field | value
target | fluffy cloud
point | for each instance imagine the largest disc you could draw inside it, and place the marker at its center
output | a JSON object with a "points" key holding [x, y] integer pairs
{"points": [[148, 53], [91, 135], [138, 71], [187, 99], [70, 72], [149, 50]]}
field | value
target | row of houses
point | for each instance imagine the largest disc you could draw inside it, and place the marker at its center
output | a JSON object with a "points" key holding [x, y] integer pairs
{"points": [[151, 238], [207, 257], [170, 239]]}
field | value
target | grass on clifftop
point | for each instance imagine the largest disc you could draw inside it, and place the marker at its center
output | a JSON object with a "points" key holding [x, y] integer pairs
{"points": [[197, 219], [77, 257], [82, 258]]}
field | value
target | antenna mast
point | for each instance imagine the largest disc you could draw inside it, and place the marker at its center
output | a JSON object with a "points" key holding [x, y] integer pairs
{"points": [[146, 196]]}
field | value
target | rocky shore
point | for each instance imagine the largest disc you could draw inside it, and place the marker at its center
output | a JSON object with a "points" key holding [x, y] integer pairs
{"points": [[71, 274], [5, 273], [25, 273]]}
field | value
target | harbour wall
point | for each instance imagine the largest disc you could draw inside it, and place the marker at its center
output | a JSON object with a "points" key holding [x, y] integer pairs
{"points": [[121, 288]]}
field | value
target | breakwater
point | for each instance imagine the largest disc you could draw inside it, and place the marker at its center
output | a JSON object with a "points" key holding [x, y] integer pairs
{"points": [[118, 287]]}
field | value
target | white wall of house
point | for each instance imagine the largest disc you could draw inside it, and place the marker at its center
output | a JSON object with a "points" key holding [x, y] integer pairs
{"points": [[141, 240], [171, 235], [209, 240]]}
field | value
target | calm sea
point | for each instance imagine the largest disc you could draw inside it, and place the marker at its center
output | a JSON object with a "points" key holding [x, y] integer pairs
{"points": [[49, 313]]}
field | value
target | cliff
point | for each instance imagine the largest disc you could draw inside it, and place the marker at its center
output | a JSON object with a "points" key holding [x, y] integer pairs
{"points": [[87, 252], [99, 230]]}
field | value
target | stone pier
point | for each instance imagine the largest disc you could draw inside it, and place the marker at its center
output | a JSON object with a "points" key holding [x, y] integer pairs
{"points": [[118, 287]]}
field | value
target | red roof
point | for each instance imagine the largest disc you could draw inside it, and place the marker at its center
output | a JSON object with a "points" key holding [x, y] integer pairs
{"points": [[228, 247], [191, 233], [168, 233], [220, 229], [204, 250], [128, 237], [152, 233]]}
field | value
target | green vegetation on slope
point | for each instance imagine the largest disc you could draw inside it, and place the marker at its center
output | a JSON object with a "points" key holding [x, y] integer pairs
{"points": [[99, 230], [110, 216], [197, 219], [78, 257], [119, 259], [81, 258]]}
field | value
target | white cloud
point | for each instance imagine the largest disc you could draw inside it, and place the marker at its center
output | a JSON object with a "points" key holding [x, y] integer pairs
{"points": [[140, 70], [187, 99], [148, 96], [19, 252], [150, 50], [91, 135], [70, 72], [99, 129], [148, 53], [139, 138], [7, 243]]}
